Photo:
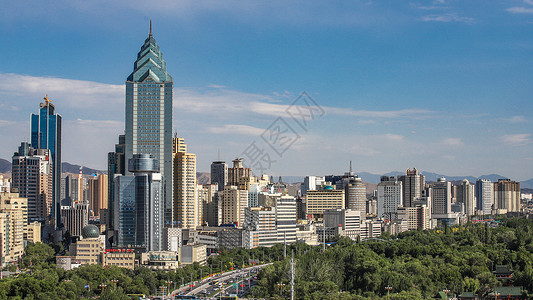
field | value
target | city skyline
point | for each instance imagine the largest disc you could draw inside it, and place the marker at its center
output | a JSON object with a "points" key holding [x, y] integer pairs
{"points": [[441, 87]]}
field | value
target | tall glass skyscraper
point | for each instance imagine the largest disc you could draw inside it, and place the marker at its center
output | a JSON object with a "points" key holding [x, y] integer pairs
{"points": [[149, 114], [46, 134]]}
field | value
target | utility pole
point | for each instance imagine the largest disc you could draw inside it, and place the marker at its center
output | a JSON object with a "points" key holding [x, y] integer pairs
{"points": [[284, 245], [324, 237], [292, 277]]}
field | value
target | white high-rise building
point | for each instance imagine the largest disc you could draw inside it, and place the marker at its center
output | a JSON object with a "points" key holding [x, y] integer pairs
{"points": [[484, 196], [441, 197], [390, 196], [465, 195]]}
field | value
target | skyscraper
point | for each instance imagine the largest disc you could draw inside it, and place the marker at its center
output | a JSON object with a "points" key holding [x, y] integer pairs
{"points": [[507, 195], [484, 196], [32, 176], [186, 206], [465, 195], [441, 197], [46, 134], [97, 194], [389, 197], [149, 114], [219, 174], [138, 204], [238, 171], [116, 165], [355, 195], [413, 185]]}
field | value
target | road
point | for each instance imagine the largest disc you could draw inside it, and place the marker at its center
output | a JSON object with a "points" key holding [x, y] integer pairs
{"points": [[206, 288]]}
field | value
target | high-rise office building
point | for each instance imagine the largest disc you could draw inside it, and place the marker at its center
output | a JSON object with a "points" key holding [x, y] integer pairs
{"points": [[355, 194], [149, 114], [31, 173], [234, 201], [13, 226], [286, 219], [413, 184], [219, 174], [237, 172], [507, 195], [465, 195], [46, 134], [187, 212], [318, 201], [441, 197], [484, 196], [139, 204], [207, 198], [390, 196], [116, 165], [97, 194], [75, 217]]}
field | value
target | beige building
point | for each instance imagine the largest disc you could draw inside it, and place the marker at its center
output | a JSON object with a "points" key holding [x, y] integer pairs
{"points": [[234, 201], [88, 250], [208, 199], [193, 253], [506, 196], [318, 201], [33, 234], [13, 223], [123, 258], [160, 260], [186, 205], [237, 172], [97, 194], [416, 217]]}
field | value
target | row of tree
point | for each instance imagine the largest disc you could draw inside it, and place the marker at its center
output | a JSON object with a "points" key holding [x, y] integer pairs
{"points": [[413, 265]]}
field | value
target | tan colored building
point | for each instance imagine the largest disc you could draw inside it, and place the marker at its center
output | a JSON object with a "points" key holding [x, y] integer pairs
{"points": [[234, 201], [506, 196], [88, 250], [186, 205], [237, 172], [33, 234], [13, 220], [417, 217], [193, 253], [97, 194], [123, 258], [318, 201], [208, 199], [160, 260]]}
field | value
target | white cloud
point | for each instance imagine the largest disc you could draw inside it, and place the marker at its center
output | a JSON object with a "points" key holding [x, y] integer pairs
{"points": [[516, 119], [236, 129], [516, 139], [452, 142], [520, 10], [447, 18]]}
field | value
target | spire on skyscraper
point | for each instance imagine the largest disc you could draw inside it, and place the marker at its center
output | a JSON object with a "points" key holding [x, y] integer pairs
{"points": [[150, 34]]}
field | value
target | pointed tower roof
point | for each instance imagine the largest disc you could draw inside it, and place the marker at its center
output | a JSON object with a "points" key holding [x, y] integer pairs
{"points": [[150, 64]]}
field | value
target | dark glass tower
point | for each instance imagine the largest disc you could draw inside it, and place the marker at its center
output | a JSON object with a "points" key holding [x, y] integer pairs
{"points": [[149, 114], [46, 134]]}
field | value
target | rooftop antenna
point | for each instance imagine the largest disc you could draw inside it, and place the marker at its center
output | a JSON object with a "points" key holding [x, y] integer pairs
{"points": [[150, 34], [350, 166]]}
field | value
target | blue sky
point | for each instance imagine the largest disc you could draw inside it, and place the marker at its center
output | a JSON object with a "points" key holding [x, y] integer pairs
{"points": [[444, 86]]}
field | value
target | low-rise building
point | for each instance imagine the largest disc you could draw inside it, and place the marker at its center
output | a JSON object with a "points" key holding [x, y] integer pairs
{"points": [[160, 260], [123, 258], [193, 253]]}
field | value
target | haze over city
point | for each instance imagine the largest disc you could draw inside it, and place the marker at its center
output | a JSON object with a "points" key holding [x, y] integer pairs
{"points": [[444, 86]]}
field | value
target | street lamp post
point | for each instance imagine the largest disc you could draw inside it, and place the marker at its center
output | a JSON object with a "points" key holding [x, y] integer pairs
{"points": [[446, 291], [114, 281], [388, 288], [102, 286]]}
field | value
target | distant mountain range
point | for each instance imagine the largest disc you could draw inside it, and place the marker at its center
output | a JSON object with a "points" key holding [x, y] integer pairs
{"points": [[205, 177]]}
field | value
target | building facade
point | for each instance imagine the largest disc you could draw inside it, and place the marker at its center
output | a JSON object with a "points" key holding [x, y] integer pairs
{"points": [[149, 115], [484, 196], [413, 184], [219, 174], [390, 196], [46, 128], [187, 210]]}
